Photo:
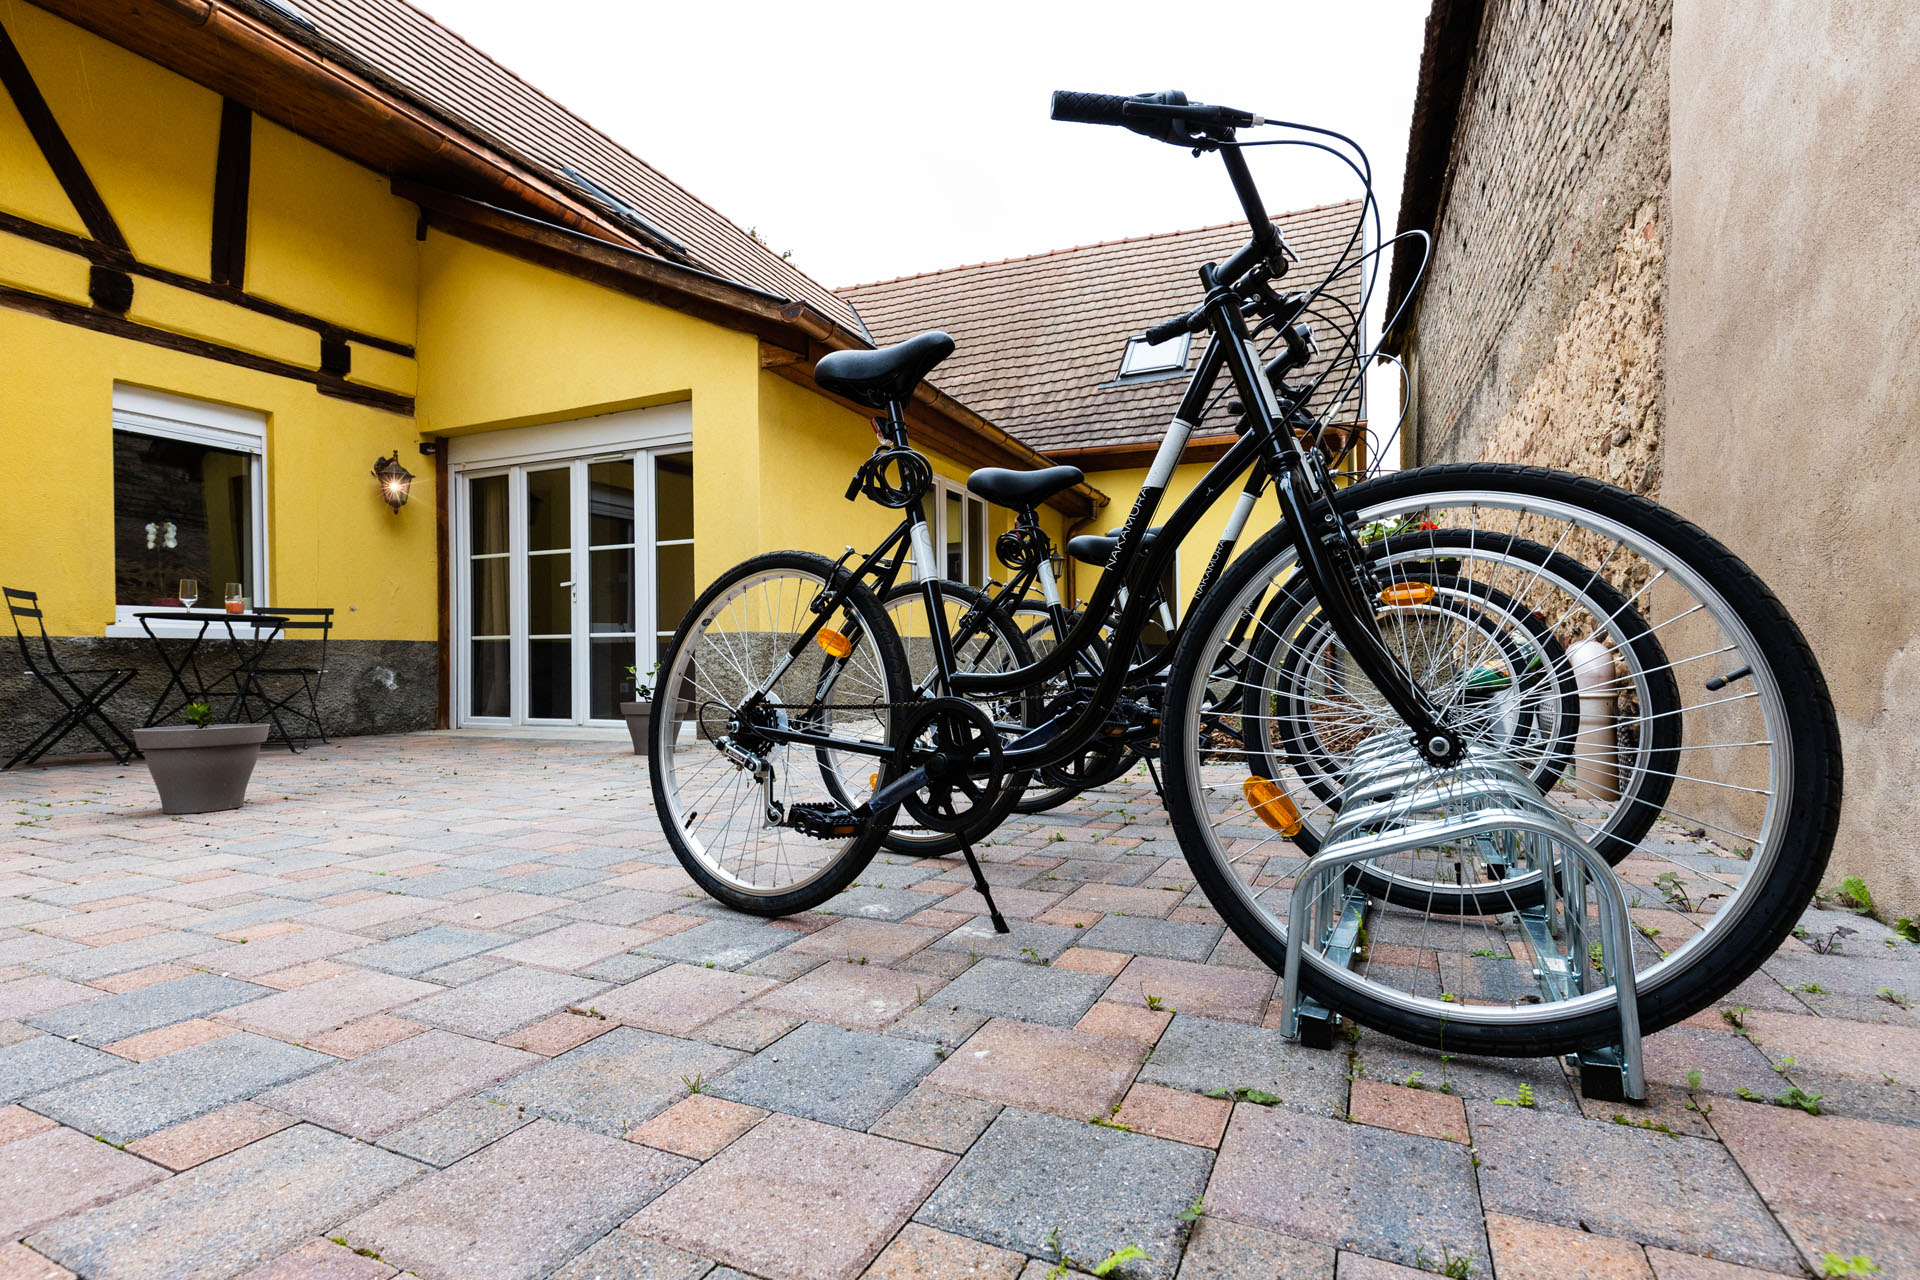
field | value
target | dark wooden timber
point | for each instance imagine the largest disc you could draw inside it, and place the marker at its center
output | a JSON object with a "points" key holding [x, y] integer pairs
{"points": [[110, 289], [120, 327], [99, 256], [443, 537], [59, 153], [232, 179]]}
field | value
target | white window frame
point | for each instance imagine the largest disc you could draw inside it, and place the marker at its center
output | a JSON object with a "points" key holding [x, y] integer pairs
{"points": [[143, 411], [942, 489], [1181, 345]]}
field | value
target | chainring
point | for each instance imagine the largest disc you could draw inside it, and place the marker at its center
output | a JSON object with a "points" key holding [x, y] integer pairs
{"points": [[958, 745]]}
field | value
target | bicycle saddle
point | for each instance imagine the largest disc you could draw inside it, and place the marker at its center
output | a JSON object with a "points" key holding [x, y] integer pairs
{"points": [[1022, 490], [1096, 549], [886, 374]]}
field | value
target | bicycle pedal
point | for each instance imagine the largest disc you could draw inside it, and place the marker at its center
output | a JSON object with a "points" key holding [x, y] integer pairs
{"points": [[823, 821]]}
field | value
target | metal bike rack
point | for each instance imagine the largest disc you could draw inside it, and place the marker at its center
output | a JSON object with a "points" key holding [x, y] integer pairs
{"points": [[1394, 802]]}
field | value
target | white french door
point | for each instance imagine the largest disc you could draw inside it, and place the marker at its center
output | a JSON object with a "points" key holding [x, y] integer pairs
{"points": [[571, 572]]}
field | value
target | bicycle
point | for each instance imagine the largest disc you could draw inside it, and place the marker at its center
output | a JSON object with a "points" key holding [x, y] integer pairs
{"points": [[1395, 659]]}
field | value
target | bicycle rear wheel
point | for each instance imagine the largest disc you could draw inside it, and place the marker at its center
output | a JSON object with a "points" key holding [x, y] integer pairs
{"points": [[1742, 746], [725, 792]]}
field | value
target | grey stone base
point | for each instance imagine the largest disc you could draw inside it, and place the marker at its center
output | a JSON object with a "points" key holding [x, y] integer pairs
{"points": [[371, 686]]}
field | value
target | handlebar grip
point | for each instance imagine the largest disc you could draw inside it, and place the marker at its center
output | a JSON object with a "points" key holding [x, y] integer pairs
{"points": [[1088, 108], [1168, 330]]}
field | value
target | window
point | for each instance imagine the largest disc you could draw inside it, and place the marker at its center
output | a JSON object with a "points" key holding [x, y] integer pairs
{"points": [[959, 522], [189, 498], [1145, 359]]}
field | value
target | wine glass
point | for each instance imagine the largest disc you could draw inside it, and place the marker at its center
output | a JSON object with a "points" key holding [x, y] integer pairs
{"points": [[189, 592], [236, 598]]}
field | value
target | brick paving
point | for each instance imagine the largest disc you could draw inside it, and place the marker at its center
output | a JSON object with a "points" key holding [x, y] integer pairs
{"points": [[447, 1007]]}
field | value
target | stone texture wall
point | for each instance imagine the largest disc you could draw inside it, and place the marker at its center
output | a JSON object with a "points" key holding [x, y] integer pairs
{"points": [[371, 686], [1539, 330]]}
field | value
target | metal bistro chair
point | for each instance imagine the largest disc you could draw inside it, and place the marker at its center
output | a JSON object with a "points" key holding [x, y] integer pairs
{"points": [[285, 706], [82, 693]]}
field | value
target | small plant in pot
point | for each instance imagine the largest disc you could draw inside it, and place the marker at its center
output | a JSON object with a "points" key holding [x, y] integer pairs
{"points": [[639, 713], [201, 767]]}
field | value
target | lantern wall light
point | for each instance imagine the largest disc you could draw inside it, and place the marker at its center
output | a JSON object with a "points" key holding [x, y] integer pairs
{"points": [[395, 481]]}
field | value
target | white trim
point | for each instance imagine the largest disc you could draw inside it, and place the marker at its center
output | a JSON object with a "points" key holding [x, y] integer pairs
{"points": [[944, 488], [144, 411], [660, 427]]}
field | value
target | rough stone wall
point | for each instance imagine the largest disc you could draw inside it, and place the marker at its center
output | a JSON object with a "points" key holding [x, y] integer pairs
{"points": [[1538, 331], [371, 686]]}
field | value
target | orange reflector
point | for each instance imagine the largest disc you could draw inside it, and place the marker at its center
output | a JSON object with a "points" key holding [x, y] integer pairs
{"points": [[833, 642], [873, 780], [1272, 807], [1402, 594]]}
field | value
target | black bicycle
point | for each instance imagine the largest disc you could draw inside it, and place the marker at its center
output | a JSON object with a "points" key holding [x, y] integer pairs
{"points": [[1383, 701]]}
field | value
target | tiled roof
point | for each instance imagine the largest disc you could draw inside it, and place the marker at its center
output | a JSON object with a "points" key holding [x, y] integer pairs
{"points": [[416, 58], [1038, 337]]}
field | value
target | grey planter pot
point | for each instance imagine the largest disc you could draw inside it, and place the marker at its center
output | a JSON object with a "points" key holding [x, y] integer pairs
{"points": [[639, 717], [201, 770]]}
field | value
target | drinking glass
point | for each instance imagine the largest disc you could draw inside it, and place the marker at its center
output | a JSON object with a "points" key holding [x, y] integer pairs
{"points": [[189, 592], [236, 598]]}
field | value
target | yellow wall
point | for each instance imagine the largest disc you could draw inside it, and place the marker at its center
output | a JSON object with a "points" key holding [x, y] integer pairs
{"points": [[324, 235], [1124, 486]]}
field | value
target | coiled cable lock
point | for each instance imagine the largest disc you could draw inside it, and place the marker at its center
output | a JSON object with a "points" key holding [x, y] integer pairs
{"points": [[915, 477]]}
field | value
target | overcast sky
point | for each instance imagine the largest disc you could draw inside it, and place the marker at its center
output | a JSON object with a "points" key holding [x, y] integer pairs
{"points": [[875, 140]]}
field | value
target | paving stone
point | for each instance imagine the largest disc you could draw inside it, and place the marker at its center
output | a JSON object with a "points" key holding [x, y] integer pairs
{"points": [[564, 1187], [1358, 1266], [797, 1174], [1678, 1192], [1113, 899], [622, 1256], [1069, 1073], [878, 941], [493, 1006], [1222, 1250], [572, 946], [207, 1137], [101, 1022], [47, 1176], [1144, 936], [455, 1131], [1386, 1194], [1135, 1023], [1029, 992], [18, 1122], [680, 998], [1527, 1250], [615, 1081], [17, 1262], [306, 1011], [938, 1023], [725, 944], [936, 1118], [622, 969], [414, 954], [231, 1213], [862, 996], [25, 997], [133, 980], [1381, 1057], [785, 964], [1027, 940], [748, 1029], [494, 910], [95, 963], [383, 1090], [627, 907], [302, 975], [138, 1100], [320, 1260], [1669, 1265], [1032, 1180], [1174, 1115], [1196, 989], [698, 1126], [45, 1062], [922, 1253], [1204, 1054], [1423, 1111], [553, 1036], [461, 972], [279, 952], [364, 1036], [826, 1073], [871, 903]]}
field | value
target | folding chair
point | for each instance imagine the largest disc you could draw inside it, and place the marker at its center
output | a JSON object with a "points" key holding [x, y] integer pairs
{"points": [[82, 693], [284, 707]]}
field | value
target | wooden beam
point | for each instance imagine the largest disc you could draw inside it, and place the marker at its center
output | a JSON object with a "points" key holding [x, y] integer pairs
{"points": [[232, 179], [55, 238], [443, 549], [59, 153], [121, 327]]}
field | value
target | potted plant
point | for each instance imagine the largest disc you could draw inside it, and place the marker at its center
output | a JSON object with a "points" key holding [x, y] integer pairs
{"points": [[201, 767], [639, 712]]}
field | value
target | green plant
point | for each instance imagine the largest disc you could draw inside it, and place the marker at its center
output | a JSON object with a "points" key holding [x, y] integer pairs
{"points": [[1674, 890], [1106, 1265], [1799, 1099], [198, 714], [1737, 1015], [1693, 1094], [1650, 1125], [1246, 1093], [1894, 998], [1908, 928], [1193, 1211], [1858, 1265], [1413, 1080], [1524, 1099], [1854, 896], [643, 689], [1825, 943], [696, 1083], [1154, 1002], [1453, 1266], [1484, 953], [1812, 987]]}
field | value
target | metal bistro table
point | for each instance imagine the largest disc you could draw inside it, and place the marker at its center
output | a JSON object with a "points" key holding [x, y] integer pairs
{"points": [[248, 636]]}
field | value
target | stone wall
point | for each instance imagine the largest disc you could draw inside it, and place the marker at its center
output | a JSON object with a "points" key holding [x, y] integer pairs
{"points": [[1538, 331], [371, 686]]}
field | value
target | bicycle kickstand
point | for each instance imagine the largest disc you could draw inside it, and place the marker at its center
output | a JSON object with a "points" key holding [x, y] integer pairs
{"points": [[1159, 788], [1000, 924]]}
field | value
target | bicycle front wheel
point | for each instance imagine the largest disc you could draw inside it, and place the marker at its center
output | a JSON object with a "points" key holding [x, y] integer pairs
{"points": [[724, 789], [1703, 761]]}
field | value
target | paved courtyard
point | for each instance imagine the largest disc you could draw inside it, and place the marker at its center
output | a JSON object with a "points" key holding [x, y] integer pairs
{"points": [[447, 1006]]}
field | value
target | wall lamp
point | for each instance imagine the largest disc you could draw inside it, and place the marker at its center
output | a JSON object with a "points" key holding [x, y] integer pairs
{"points": [[395, 481]]}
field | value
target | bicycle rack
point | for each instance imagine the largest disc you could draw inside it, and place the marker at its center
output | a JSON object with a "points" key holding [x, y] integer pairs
{"points": [[1394, 803]]}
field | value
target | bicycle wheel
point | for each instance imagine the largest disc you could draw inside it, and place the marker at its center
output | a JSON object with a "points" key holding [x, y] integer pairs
{"points": [[984, 639], [1742, 746], [724, 792], [1101, 761]]}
